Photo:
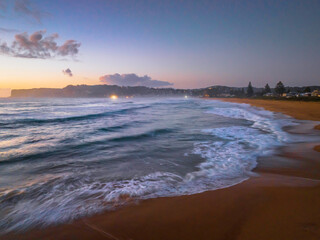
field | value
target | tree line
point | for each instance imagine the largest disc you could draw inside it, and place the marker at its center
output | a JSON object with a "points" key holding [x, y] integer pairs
{"points": [[279, 89]]}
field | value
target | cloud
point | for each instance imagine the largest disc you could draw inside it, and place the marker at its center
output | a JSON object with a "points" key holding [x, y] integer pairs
{"points": [[8, 30], [25, 7], [67, 72], [69, 47], [132, 80], [38, 46]]}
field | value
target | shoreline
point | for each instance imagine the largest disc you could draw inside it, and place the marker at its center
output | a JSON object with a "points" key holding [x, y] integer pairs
{"points": [[297, 109], [279, 203]]}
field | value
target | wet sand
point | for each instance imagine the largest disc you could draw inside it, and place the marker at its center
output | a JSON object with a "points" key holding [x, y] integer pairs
{"points": [[297, 109], [280, 202]]}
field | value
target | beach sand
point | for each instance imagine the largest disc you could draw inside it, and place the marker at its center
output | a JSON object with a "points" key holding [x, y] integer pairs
{"points": [[280, 202], [297, 109]]}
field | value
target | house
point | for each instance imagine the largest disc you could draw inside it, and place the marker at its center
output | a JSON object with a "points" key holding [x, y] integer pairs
{"points": [[268, 95], [307, 94], [315, 93], [289, 95]]}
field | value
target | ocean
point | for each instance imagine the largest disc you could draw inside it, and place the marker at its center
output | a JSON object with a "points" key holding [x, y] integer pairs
{"points": [[61, 159]]}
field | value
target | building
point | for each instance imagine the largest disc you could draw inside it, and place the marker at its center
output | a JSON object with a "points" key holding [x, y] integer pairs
{"points": [[315, 93], [269, 95]]}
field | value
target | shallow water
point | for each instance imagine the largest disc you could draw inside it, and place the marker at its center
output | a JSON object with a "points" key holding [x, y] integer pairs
{"points": [[61, 159]]}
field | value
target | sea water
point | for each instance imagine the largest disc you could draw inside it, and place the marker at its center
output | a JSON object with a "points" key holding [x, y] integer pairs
{"points": [[62, 159]]}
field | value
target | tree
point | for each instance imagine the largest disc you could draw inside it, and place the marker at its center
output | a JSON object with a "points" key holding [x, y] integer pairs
{"points": [[267, 89], [250, 90], [307, 89], [280, 89]]}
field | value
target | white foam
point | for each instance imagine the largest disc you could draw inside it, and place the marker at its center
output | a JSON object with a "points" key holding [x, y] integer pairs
{"points": [[261, 119], [235, 154], [68, 198]]}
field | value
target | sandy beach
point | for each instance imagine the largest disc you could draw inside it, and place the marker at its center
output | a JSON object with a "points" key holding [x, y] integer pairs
{"points": [[297, 109], [279, 202]]}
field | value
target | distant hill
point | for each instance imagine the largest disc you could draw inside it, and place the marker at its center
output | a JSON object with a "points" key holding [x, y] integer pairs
{"points": [[98, 91], [102, 91]]}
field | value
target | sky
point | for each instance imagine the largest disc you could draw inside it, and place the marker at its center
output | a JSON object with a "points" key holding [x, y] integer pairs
{"points": [[168, 43]]}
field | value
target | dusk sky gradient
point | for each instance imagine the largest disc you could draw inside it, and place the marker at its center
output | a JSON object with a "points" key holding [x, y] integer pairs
{"points": [[188, 43]]}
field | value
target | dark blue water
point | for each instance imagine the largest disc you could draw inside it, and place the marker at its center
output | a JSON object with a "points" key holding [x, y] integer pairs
{"points": [[61, 159]]}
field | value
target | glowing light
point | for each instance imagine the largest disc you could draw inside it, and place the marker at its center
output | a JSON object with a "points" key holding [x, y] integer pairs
{"points": [[114, 97], [185, 96], [127, 97]]}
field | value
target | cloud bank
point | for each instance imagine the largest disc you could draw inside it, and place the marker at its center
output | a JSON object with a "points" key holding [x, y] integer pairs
{"points": [[67, 72], [38, 46], [132, 80]]}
